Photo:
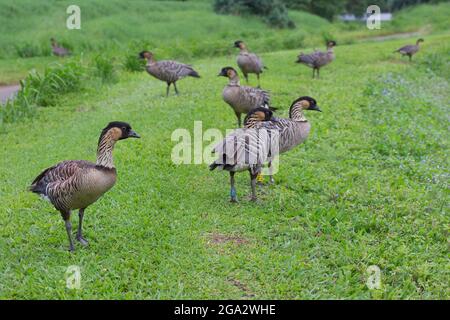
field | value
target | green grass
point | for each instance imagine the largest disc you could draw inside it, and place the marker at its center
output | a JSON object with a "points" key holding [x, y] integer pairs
{"points": [[180, 29], [369, 187], [173, 30]]}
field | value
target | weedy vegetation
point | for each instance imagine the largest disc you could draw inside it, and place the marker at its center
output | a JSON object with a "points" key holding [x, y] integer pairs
{"points": [[369, 186]]}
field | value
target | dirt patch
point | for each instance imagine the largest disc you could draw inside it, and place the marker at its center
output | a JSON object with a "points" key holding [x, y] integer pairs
{"points": [[219, 238], [238, 284]]}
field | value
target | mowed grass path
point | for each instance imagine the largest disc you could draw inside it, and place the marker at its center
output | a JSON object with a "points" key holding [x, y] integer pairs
{"points": [[369, 187]]}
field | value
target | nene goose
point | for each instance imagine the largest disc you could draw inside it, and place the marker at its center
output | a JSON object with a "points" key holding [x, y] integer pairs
{"points": [[292, 131], [248, 62], [318, 59], [58, 50], [241, 98], [244, 149], [410, 50], [168, 71], [76, 184]]}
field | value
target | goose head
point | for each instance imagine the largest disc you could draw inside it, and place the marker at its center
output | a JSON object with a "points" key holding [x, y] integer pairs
{"points": [[259, 114], [304, 103], [239, 44], [331, 43], [228, 72], [118, 130], [147, 55]]}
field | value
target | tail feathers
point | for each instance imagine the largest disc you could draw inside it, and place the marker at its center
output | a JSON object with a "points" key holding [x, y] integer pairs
{"points": [[273, 108], [194, 74], [221, 166], [213, 165], [265, 68]]}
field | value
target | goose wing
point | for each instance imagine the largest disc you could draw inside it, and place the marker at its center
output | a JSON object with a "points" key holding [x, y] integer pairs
{"points": [[176, 70], [54, 176], [255, 97], [250, 62], [241, 149]]}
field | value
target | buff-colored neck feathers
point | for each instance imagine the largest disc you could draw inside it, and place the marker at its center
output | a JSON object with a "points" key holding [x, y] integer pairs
{"points": [[106, 146], [233, 76], [297, 113]]}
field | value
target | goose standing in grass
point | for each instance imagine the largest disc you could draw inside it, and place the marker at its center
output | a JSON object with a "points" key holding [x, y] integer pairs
{"points": [[292, 131], [76, 184], [168, 71], [248, 62], [57, 50], [244, 149], [410, 50], [318, 59], [241, 98]]}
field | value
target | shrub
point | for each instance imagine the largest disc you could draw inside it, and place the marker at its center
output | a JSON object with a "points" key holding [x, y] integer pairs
{"points": [[27, 50], [133, 63], [104, 69], [42, 90], [274, 12]]}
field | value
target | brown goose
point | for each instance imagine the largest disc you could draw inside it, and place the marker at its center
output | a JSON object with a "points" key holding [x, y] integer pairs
{"points": [[410, 50], [57, 50], [168, 71], [248, 62], [241, 98], [244, 149], [318, 59], [292, 131], [76, 184]]}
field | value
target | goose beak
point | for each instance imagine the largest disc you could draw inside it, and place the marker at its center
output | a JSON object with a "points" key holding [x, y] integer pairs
{"points": [[316, 108], [133, 134]]}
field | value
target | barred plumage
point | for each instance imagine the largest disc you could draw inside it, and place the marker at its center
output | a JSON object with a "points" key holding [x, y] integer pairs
{"points": [[242, 98], [76, 184], [248, 62], [410, 50], [318, 59], [245, 149], [292, 131], [57, 50], [168, 71]]}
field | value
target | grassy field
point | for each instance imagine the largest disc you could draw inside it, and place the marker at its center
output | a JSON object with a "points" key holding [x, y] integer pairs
{"points": [[173, 29], [369, 187]]}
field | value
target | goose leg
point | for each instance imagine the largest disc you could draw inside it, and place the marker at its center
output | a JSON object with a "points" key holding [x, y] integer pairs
{"points": [[80, 237], [318, 73], [410, 57], [233, 189], [271, 180], [66, 216], [253, 185], [238, 115], [246, 77], [175, 86], [259, 84], [168, 89]]}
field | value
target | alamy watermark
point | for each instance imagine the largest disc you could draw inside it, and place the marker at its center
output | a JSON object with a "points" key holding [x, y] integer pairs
{"points": [[373, 21], [242, 147], [73, 277], [74, 19], [373, 281]]}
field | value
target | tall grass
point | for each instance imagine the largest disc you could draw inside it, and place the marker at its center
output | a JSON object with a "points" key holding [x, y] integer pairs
{"points": [[177, 29], [43, 89], [104, 69]]}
